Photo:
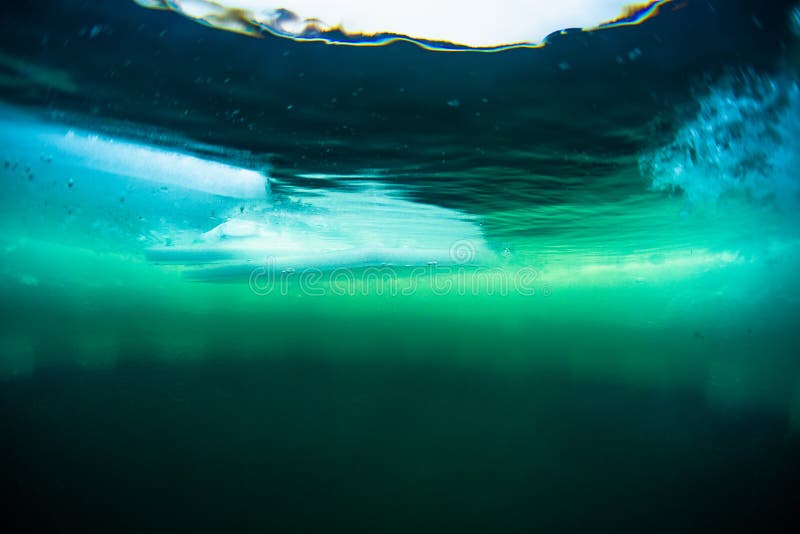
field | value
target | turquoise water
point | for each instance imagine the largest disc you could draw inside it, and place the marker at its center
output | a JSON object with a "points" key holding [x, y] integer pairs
{"points": [[272, 284]]}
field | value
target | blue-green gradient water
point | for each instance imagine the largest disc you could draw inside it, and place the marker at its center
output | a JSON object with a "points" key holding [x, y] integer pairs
{"points": [[256, 284]]}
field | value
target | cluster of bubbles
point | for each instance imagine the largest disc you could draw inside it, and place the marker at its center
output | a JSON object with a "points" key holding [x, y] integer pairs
{"points": [[743, 140]]}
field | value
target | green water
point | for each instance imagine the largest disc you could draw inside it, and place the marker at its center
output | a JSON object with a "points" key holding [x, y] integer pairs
{"points": [[136, 400]]}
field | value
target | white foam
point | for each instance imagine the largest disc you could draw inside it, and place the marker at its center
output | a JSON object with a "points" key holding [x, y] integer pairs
{"points": [[743, 140]]}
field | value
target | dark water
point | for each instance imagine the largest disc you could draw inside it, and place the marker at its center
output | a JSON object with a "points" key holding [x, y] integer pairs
{"points": [[299, 444], [259, 284]]}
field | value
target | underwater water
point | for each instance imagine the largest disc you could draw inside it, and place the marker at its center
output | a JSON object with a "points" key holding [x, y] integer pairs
{"points": [[290, 278]]}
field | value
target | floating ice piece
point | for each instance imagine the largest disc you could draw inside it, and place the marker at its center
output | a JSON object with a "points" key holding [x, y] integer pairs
{"points": [[158, 165], [32, 140], [367, 226], [234, 228]]}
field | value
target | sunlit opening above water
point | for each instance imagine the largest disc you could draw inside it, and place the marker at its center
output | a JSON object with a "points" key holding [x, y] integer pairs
{"points": [[444, 24]]}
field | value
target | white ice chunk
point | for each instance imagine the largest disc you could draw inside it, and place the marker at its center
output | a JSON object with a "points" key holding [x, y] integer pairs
{"points": [[371, 224], [158, 165], [25, 138], [234, 228]]}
